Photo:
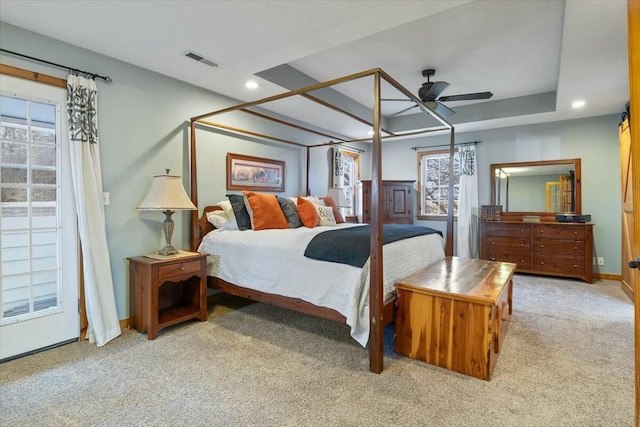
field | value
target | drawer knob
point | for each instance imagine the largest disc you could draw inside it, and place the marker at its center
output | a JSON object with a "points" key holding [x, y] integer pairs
{"points": [[542, 246], [521, 261], [542, 263], [181, 268], [493, 243], [541, 231], [493, 259], [575, 266], [521, 244], [575, 248]]}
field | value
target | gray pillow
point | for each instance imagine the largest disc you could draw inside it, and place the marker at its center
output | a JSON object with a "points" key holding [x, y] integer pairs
{"points": [[290, 212], [240, 211]]}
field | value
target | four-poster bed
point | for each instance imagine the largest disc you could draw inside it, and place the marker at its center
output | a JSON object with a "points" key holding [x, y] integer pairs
{"points": [[379, 312]]}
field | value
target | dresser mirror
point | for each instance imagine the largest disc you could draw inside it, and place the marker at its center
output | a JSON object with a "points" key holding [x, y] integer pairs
{"points": [[543, 188]]}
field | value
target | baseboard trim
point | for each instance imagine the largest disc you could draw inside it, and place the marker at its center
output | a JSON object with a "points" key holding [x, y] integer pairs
{"points": [[607, 276]]}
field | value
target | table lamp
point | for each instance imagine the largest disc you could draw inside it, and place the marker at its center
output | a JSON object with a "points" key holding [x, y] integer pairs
{"points": [[167, 195], [338, 196]]}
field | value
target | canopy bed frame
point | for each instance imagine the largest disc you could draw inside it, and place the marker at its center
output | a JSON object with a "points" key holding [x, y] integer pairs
{"points": [[379, 313]]}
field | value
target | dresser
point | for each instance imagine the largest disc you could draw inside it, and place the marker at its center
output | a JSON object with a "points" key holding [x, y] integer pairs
{"points": [[396, 202], [553, 248]]}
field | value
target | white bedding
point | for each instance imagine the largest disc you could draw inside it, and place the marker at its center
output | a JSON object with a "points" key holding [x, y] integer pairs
{"points": [[273, 261]]}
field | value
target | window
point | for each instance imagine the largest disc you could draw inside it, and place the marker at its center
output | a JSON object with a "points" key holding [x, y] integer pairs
{"points": [[351, 168], [433, 193]]}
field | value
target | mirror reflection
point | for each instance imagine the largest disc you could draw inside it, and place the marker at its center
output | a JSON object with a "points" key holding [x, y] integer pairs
{"points": [[551, 186]]}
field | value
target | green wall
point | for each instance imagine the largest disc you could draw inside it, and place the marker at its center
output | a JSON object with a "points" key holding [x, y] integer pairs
{"points": [[144, 129], [593, 140]]}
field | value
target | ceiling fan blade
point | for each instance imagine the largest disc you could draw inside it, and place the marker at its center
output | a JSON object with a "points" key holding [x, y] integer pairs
{"points": [[396, 99], [431, 90], [440, 108], [403, 110], [466, 96], [444, 110]]}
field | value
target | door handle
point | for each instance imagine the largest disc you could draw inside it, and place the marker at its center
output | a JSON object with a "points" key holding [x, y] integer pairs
{"points": [[635, 264]]}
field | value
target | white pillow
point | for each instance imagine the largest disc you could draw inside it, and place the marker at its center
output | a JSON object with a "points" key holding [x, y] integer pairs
{"points": [[315, 200], [221, 221], [228, 210], [326, 215]]}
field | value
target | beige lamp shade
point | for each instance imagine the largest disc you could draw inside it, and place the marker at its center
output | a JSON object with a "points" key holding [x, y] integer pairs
{"points": [[338, 196], [166, 194]]}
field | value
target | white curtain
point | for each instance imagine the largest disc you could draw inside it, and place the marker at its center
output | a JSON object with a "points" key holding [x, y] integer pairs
{"points": [[467, 236], [82, 103]]}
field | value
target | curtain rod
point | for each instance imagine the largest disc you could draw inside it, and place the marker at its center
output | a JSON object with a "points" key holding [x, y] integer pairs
{"points": [[357, 150], [447, 145], [71, 69]]}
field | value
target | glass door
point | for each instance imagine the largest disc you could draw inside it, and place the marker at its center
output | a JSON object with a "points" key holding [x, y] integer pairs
{"points": [[38, 232]]}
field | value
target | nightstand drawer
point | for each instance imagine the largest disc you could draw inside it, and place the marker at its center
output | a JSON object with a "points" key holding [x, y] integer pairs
{"points": [[179, 268]]}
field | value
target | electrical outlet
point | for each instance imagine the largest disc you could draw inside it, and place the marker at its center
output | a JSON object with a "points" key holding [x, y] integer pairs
{"points": [[106, 199], [600, 260]]}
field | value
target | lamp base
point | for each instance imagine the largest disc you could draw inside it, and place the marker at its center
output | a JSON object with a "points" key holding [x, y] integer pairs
{"points": [[168, 250], [167, 227]]}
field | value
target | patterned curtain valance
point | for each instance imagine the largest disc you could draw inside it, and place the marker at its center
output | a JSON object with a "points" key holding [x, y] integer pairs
{"points": [[82, 106], [467, 160]]}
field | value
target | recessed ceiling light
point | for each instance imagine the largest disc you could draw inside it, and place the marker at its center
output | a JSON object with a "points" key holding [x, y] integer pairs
{"points": [[578, 104], [251, 85]]}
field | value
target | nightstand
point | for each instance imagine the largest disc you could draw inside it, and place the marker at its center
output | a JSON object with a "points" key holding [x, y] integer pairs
{"points": [[164, 292]]}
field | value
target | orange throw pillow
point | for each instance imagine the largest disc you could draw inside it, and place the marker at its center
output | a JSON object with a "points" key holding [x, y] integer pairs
{"points": [[308, 213], [328, 201], [265, 211]]}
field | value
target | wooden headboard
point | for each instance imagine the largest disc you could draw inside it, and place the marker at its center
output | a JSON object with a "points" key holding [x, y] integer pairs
{"points": [[204, 226]]}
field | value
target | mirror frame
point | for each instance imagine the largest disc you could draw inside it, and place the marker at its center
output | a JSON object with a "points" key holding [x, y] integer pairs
{"points": [[544, 216]]}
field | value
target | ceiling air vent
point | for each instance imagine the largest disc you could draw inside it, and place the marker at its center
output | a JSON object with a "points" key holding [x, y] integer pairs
{"points": [[200, 58]]}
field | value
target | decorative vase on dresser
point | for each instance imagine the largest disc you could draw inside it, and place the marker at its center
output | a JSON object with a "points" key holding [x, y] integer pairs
{"points": [[548, 248]]}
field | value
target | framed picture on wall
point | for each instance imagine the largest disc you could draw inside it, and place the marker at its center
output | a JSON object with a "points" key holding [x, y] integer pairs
{"points": [[254, 173]]}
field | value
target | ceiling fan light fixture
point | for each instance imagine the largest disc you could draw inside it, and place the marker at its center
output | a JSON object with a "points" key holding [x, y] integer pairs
{"points": [[251, 84]]}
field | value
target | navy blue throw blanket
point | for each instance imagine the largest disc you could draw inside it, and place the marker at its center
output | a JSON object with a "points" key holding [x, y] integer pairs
{"points": [[352, 245]]}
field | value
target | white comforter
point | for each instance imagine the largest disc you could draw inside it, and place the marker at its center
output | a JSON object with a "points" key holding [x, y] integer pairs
{"points": [[273, 261]]}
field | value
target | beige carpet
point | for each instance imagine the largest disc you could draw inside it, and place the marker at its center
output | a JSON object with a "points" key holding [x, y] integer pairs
{"points": [[567, 361]]}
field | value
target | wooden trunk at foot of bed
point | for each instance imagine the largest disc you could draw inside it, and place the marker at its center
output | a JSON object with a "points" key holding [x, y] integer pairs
{"points": [[295, 304]]}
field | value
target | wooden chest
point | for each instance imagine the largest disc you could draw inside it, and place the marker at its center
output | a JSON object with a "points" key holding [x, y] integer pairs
{"points": [[558, 249], [455, 314]]}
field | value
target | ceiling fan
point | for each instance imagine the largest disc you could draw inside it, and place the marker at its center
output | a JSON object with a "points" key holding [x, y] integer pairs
{"points": [[430, 92]]}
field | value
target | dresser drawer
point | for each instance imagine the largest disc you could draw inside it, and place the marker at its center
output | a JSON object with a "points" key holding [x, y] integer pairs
{"points": [[559, 247], [559, 264], [508, 230], [523, 260], [508, 244], [559, 232], [178, 268]]}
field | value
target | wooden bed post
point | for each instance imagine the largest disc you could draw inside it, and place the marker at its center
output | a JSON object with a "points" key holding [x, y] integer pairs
{"points": [[376, 329], [307, 174], [193, 180], [448, 249]]}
